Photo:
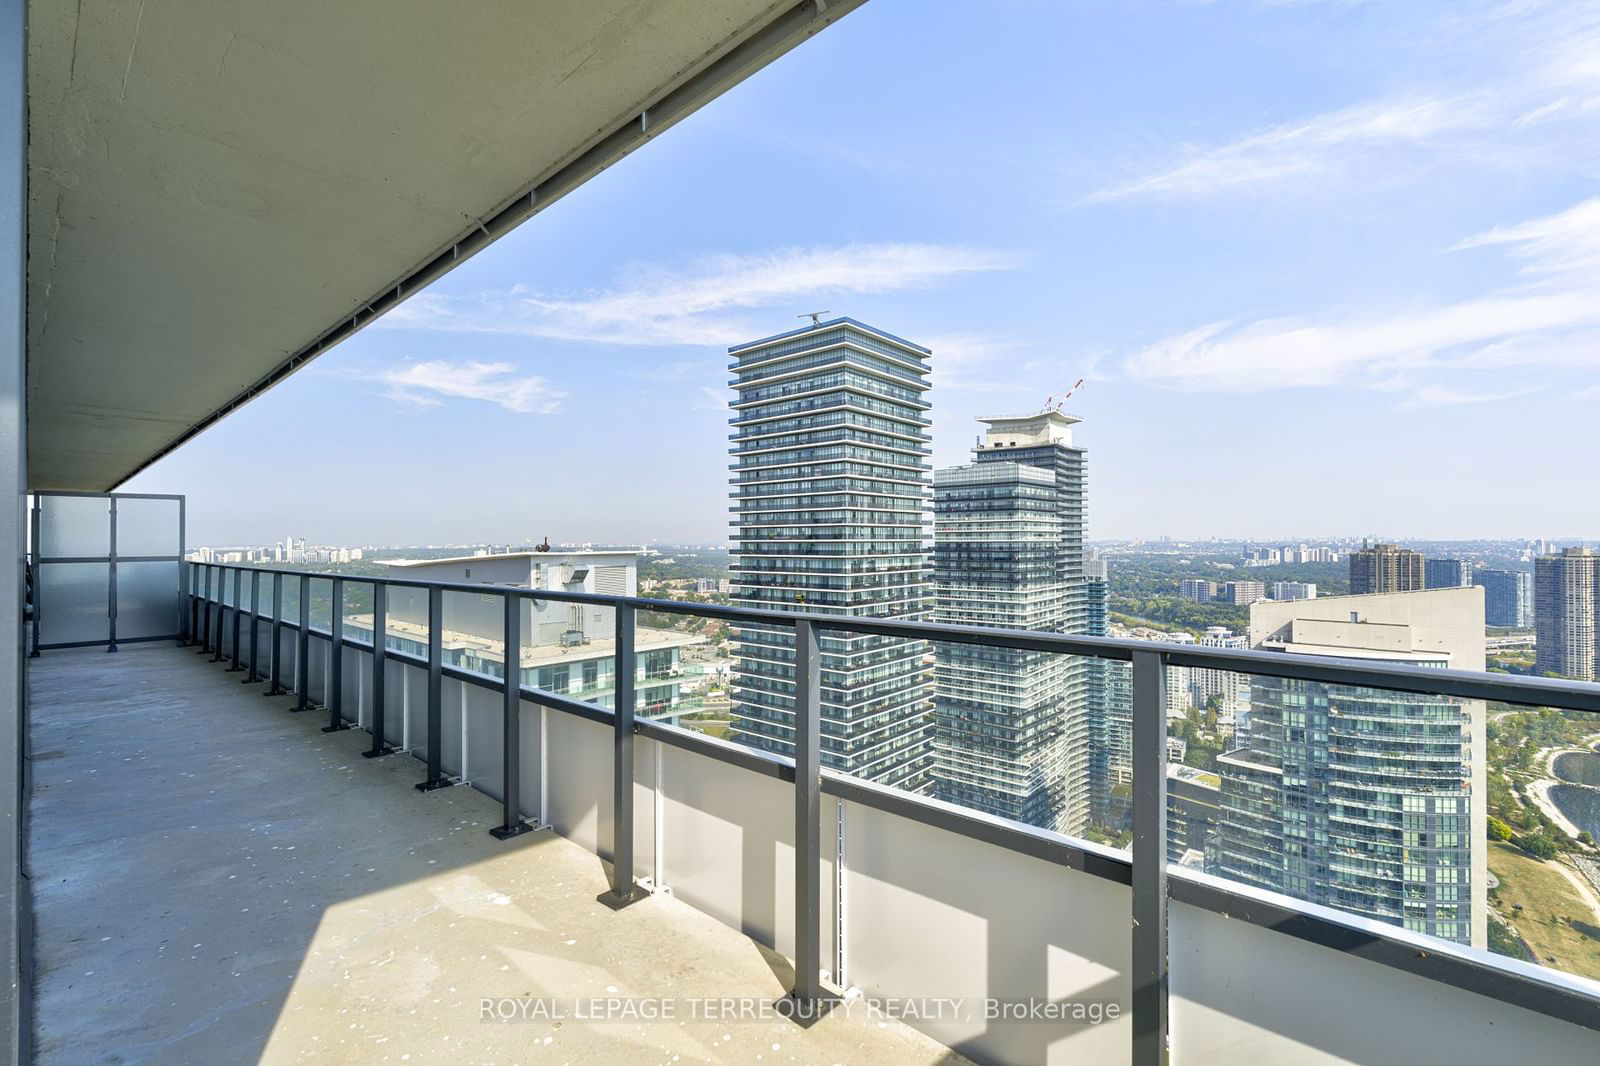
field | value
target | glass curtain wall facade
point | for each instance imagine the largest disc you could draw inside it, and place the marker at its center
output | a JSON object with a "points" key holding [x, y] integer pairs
{"points": [[1507, 597], [830, 483], [1566, 616], [997, 711], [1103, 739], [1045, 441], [1354, 798]]}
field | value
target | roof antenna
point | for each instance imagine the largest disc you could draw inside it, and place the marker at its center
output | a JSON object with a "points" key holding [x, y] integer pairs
{"points": [[814, 316]]}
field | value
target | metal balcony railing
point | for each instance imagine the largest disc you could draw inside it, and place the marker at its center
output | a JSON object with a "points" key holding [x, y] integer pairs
{"points": [[1552, 993]]}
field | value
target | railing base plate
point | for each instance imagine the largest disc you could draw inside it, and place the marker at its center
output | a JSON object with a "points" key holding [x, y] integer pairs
{"points": [[506, 832], [806, 1012], [611, 899], [434, 785], [341, 727], [378, 753]]}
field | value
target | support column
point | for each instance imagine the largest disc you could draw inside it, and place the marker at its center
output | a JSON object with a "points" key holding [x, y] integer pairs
{"points": [[16, 953]]}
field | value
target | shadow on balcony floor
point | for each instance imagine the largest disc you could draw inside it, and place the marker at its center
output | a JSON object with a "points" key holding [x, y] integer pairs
{"points": [[217, 881]]}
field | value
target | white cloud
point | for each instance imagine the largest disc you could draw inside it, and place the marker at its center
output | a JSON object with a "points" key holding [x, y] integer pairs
{"points": [[1437, 396], [1304, 148], [1553, 319], [698, 304], [710, 399], [429, 383], [1535, 99], [970, 362], [1567, 243]]}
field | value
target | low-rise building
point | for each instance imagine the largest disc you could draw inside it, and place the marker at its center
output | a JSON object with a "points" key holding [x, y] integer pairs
{"points": [[567, 648]]}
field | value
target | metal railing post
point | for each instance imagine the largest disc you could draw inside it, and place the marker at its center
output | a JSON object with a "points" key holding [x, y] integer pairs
{"points": [[302, 644], [238, 611], [195, 582], [436, 777], [335, 693], [511, 821], [626, 665], [1149, 1006], [380, 644], [255, 625], [38, 577], [807, 814], [222, 613], [111, 581], [276, 686], [185, 601], [203, 636]]}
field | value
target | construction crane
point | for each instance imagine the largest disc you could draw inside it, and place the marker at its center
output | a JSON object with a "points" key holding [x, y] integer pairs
{"points": [[1052, 404]]}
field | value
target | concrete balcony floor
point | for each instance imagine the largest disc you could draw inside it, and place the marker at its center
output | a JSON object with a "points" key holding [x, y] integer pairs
{"points": [[217, 881]]}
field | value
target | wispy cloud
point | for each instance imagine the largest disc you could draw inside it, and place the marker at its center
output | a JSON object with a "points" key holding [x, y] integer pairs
{"points": [[430, 383], [1563, 244], [709, 399], [698, 303], [973, 362], [1551, 319], [1314, 146], [1437, 396], [678, 370], [1538, 97]]}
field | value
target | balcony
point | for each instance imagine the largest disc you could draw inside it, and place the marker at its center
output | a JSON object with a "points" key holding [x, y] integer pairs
{"points": [[244, 827], [202, 852], [219, 881]]}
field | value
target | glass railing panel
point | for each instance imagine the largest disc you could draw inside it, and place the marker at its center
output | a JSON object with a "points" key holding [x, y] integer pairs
{"points": [[291, 599], [473, 638], [356, 611], [407, 619], [320, 595]]}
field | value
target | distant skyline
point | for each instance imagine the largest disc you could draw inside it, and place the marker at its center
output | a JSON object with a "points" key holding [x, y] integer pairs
{"points": [[1324, 265]]}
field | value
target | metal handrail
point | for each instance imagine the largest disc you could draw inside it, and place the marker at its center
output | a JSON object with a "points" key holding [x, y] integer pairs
{"points": [[1464, 684], [1552, 993]]}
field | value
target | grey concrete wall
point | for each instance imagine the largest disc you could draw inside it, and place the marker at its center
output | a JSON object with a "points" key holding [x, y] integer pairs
{"points": [[14, 953]]}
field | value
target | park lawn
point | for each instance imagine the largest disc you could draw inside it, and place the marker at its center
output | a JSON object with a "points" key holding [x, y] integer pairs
{"points": [[1548, 900]]}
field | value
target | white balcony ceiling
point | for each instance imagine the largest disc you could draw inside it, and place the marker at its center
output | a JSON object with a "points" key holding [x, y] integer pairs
{"points": [[219, 189]]}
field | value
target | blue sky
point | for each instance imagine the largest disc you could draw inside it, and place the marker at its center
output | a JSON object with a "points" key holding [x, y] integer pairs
{"points": [[1327, 267]]}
